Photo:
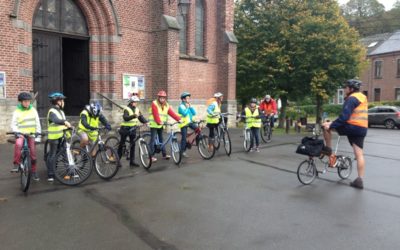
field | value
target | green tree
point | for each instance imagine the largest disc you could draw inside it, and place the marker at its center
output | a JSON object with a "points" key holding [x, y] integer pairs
{"points": [[363, 8], [294, 49]]}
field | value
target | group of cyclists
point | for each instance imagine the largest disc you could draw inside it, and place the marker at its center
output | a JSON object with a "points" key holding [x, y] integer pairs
{"points": [[26, 120]]}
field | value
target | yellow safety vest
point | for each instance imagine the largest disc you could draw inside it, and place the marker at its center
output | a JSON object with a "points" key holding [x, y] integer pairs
{"points": [[26, 120], [92, 121], [133, 122], [55, 131], [359, 117], [163, 113], [252, 119], [214, 118]]}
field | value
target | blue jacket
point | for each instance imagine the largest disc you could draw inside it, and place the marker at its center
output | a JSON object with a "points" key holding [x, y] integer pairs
{"points": [[184, 111]]}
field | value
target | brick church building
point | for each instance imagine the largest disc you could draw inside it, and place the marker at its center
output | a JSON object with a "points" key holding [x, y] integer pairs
{"points": [[93, 48]]}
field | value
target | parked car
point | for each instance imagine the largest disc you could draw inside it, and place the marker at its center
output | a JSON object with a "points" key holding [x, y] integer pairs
{"points": [[389, 116]]}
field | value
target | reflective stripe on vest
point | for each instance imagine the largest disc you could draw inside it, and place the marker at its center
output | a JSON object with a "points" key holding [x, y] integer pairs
{"points": [[55, 131], [134, 121], [214, 118], [359, 117], [251, 118], [26, 120], [163, 113]]}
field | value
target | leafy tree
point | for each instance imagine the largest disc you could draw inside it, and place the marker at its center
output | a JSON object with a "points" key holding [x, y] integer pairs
{"points": [[294, 49], [363, 8]]}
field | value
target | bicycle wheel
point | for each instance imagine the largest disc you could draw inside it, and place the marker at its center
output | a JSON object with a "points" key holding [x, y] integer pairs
{"points": [[113, 142], [176, 151], [203, 148], [25, 173], [144, 154], [227, 142], [106, 162], [246, 141], [73, 171], [147, 138], [306, 172], [344, 167], [265, 133]]}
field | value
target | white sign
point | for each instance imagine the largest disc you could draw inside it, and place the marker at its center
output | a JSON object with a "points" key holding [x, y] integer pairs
{"points": [[133, 84]]}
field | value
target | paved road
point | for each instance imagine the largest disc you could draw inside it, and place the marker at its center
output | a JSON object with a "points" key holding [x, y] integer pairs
{"points": [[246, 201]]}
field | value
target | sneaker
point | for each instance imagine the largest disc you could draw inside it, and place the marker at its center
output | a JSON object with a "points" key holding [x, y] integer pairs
{"points": [[252, 150], [35, 176], [166, 157], [15, 168], [357, 183], [257, 149], [184, 154], [134, 164], [153, 159], [50, 179], [67, 177], [332, 160]]}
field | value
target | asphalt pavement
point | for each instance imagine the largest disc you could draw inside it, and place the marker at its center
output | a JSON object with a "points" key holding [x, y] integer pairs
{"points": [[245, 201]]}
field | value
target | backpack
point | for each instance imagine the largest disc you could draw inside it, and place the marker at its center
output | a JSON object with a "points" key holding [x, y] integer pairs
{"points": [[310, 146]]}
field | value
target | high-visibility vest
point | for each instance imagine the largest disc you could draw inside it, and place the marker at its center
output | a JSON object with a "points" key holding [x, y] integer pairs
{"points": [[55, 131], [253, 120], [359, 117], [134, 121], [26, 120], [214, 118], [163, 113], [92, 121]]}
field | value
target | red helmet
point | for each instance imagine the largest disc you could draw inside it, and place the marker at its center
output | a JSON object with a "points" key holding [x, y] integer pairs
{"points": [[162, 93]]}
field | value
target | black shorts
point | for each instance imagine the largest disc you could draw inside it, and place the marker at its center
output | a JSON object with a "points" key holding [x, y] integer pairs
{"points": [[358, 140]]}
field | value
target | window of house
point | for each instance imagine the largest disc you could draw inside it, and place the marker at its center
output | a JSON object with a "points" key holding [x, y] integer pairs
{"points": [[182, 20], [199, 35], [340, 96], [377, 95], [397, 94], [378, 69]]}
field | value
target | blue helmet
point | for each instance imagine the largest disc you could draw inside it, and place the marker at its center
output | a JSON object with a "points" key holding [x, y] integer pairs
{"points": [[55, 96], [185, 94]]}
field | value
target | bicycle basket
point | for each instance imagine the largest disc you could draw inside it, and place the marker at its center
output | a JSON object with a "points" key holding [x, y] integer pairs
{"points": [[310, 146]]}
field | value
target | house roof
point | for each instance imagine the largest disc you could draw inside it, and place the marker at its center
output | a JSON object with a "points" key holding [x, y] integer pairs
{"points": [[391, 44], [375, 41]]}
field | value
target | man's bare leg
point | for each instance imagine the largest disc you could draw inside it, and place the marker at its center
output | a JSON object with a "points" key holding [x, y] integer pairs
{"points": [[359, 153], [328, 137]]}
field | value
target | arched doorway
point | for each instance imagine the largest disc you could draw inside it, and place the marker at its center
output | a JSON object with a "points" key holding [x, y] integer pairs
{"points": [[60, 47]]}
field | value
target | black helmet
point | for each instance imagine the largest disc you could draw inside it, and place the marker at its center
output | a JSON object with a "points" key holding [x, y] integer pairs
{"points": [[23, 96], [253, 100], [355, 84]]}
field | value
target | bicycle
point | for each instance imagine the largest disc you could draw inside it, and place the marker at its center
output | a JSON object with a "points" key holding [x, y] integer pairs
{"points": [[172, 140], [105, 158], [197, 138], [73, 164], [266, 130], [307, 170], [222, 134], [144, 151], [25, 167]]}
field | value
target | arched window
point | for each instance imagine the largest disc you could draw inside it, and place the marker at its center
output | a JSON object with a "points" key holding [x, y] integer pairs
{"points": [[61, 16], [182, 20], [199, 36]]}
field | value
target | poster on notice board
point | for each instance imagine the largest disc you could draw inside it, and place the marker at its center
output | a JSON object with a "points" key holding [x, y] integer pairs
{"points": [[132, 83]]}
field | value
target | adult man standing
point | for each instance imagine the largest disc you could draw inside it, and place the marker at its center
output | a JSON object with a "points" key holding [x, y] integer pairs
{"points": [[352, 122]]}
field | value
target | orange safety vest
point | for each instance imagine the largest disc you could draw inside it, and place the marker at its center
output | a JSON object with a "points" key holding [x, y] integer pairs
{"points": [[359, 117]]}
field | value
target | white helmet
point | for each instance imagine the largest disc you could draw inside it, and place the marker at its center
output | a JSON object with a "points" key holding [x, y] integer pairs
{"points": [[133, 99], [267, 97], [218, 94]]}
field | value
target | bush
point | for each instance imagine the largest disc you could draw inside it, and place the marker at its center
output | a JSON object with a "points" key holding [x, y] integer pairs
{"points": [[309, 110]]}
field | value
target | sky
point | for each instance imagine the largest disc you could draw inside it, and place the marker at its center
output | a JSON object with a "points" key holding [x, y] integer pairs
{"points": [[388, 3]]}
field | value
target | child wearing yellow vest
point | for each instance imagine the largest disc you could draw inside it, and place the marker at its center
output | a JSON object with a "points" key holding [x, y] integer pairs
{"points": [[252, 114]]}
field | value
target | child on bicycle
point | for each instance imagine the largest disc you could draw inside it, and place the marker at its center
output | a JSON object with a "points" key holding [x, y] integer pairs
{"points": [[214, 116], [90, 119], [131, 118], [25, 120], [252, 114], [56, 123], [159, 112], [187, 113]]}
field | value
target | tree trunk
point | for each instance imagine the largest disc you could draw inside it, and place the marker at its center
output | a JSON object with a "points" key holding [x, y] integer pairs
{"points": [[282, 114]]}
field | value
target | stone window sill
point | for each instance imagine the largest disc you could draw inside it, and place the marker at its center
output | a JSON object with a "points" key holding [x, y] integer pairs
{"points": [[193, 58]]}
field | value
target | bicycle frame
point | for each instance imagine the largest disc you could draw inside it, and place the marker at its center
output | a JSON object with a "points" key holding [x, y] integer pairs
{"points": [[191, 137], [171, 135]]}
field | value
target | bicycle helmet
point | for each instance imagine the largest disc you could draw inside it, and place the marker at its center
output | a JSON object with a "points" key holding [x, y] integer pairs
{"points": [[267, 97], [354, 84], [95, 109], [55, 96], [185, 94], [253, 100], [23, 96], [162, 93], [133, 99], [218, 94]]}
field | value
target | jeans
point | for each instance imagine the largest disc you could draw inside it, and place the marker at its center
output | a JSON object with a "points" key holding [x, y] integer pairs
{"points": [[153, 132], [255, 133], [124, 132], [184, 134], [51, 157], [19, 143], [212, 128]]}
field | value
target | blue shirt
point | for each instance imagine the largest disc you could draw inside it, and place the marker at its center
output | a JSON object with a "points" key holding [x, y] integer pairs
{"points": [[184, 111], [341, 122]]}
